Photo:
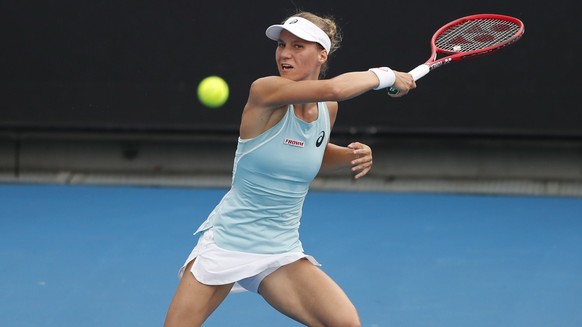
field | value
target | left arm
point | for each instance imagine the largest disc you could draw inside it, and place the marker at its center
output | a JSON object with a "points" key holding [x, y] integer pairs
{"points": [[356, 154]]}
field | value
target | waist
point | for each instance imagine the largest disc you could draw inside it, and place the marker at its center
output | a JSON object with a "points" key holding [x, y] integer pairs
{"points": [[278, 187]]}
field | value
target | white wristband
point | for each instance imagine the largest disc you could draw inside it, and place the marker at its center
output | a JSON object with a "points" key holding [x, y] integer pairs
{"points": [[385, 75]]}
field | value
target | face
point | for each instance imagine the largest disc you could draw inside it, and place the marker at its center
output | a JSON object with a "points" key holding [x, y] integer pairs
{"points": [[298, 59]]}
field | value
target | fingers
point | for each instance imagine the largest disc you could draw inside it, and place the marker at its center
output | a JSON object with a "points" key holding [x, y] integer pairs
{"points": [[360, 148], [362, 163], [403, 84], [361, 170]]}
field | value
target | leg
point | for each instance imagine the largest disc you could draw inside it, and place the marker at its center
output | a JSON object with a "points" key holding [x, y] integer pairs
{"points": [[194, 302], [305, 293]]}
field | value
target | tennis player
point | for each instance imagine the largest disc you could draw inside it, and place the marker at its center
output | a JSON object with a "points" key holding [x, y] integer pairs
{"points": [[250, 241]]}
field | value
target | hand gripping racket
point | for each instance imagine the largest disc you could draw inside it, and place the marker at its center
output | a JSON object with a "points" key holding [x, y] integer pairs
{"points": [[469, 37]]}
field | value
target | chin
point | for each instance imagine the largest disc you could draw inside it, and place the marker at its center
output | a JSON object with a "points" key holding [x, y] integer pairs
{"points": [[287, 74]]}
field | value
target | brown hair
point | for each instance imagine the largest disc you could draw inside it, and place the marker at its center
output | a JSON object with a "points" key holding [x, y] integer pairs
{"points": [[328, 25]]}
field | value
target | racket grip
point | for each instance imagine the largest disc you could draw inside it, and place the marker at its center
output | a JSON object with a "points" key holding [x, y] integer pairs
{"points": [[417, 73]]}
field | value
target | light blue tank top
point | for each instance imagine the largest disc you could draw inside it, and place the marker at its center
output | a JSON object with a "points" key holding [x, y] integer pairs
{"points": [[271, 176]]}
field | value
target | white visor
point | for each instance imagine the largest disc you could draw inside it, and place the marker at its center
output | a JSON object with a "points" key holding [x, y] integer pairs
{"points": [[301, 28]]}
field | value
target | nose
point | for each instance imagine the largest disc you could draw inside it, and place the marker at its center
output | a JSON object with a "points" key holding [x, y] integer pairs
{"points": [[283, 51]]}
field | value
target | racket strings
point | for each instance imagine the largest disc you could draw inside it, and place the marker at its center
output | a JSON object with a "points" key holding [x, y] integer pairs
{"points": [[476, 34]]}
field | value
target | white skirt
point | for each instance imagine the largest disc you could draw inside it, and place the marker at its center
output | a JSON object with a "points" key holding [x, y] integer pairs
{"points": [[217, 266]]}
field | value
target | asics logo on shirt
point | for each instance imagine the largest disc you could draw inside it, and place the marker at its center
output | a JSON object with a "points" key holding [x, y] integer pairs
{"points": [[320, 139]]}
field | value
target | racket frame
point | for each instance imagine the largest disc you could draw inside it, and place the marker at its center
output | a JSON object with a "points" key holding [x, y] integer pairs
{"points": [[433, 62]]}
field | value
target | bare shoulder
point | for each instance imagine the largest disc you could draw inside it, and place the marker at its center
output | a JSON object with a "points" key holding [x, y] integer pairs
{"points": [[332, 107], [259, 92], [265, 85], [258, 116]]}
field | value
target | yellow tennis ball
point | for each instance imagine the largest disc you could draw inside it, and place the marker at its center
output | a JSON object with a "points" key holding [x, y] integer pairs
{"points": [[213, 91]]}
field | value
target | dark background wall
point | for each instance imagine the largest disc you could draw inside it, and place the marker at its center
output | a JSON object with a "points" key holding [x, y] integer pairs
{"points": [[134, 65]]}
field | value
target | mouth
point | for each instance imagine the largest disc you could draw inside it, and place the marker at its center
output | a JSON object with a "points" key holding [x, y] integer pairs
{"points": [[286, 67]]}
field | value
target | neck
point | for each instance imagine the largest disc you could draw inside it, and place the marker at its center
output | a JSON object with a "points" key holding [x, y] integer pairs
{"points": [[307, 112]]}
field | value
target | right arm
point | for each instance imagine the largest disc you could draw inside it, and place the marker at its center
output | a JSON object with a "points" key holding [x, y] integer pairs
{"points": [[275, 91], [270, 96]]}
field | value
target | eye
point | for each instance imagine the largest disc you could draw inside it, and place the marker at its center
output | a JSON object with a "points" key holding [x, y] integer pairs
{"points": [[298, 45], [280, 44]]}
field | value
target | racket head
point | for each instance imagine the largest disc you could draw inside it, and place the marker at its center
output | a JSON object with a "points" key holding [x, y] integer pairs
{"points": [[475, 35]]}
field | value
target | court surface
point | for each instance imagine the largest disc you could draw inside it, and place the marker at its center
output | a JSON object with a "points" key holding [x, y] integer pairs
{"points": [[108, 256]]}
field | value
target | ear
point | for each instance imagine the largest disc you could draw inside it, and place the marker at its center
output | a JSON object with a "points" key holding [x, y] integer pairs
{"points": [[322, 56]]}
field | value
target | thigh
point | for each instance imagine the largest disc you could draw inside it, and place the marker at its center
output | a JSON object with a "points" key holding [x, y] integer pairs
{"points": [[305, 293], [193, 301]]}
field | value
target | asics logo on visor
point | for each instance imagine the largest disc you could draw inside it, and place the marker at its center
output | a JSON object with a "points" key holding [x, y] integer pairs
{"points": [[294, 21]]}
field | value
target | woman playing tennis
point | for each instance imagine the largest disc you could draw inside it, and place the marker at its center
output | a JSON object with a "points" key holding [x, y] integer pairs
{"points": [[250, 241]]}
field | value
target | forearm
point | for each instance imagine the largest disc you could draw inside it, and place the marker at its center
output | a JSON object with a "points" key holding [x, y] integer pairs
{"points": [[337, 157], [374, 78], [356, 154], [350, 85]]}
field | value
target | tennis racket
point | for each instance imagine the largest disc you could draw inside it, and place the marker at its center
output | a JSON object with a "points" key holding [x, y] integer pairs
{"points": [[469, 37]]}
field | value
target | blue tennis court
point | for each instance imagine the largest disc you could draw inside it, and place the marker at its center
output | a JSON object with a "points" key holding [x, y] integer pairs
{"points": [[109, 255]]}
